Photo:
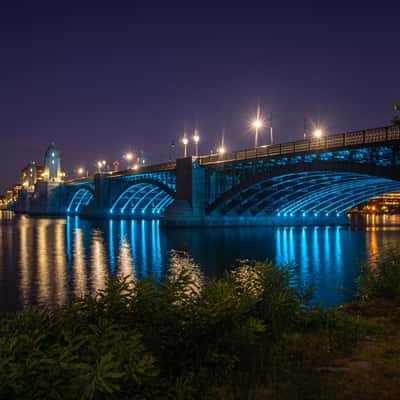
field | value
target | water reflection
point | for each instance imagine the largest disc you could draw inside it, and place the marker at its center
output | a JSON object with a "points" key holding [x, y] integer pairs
{"points": [[52, 260]]}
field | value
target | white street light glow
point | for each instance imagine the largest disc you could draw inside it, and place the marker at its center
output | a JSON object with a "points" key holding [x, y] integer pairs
{"points": [[221, 150], [317, 133], [257, 124]]}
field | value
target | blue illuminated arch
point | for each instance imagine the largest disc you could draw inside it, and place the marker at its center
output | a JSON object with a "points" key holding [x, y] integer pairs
{"points": [[80, 199], [305, 193], [143, 199]]}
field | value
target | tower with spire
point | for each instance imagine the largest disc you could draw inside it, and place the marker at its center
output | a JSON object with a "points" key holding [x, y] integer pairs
{"points": [[52, 164]]}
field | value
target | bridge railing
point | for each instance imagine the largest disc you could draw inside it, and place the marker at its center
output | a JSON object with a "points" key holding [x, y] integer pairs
{"points": [[169, 166], [341, 140]]}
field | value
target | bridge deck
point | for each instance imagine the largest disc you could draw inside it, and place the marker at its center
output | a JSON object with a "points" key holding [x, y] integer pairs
{"points": [[170, 166], [331, 142], [378, 136]]}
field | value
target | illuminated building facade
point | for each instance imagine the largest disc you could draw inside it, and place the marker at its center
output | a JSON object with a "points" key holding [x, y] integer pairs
{"points": [[385, 204], [31, 174], [52, 165]]}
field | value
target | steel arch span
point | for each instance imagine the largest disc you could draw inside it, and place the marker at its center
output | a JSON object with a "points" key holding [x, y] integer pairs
{"points": [[81, 198], [308, 193], [143, 199]]}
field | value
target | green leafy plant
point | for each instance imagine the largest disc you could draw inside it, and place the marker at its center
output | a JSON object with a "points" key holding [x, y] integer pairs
{"points": [[381, 278]]}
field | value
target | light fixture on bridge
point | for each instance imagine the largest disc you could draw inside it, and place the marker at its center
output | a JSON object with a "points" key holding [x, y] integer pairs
{"points": [[196, 139], [257, 124], [136, 167], [80, 171], [101, 164], [221, 150], [318, 133], [128, 156], [185, 142]]}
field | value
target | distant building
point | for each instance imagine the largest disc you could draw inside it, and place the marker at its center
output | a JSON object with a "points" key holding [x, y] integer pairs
{"points": [[31, 174], [388, 203], [52, 165]]}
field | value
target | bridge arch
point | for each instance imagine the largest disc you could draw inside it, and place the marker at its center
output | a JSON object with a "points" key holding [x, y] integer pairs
{"points": [[79, 199], [308, 191], [143, 198]]}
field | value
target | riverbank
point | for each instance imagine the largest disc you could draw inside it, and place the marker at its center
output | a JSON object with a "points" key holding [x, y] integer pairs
{"points": [[309, 366], [250, 335]]}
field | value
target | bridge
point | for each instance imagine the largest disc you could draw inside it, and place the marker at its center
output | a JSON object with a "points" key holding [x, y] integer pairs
{"points": [[315, 181]]}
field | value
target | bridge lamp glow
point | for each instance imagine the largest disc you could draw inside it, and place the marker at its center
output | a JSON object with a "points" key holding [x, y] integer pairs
{"points": [[318, 133], [221, 150], [257, 124], [185, 142], [128, 156], [196, 139], [80, 171]]}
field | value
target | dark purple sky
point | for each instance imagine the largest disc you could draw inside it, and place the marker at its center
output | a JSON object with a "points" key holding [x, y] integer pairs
{"points": [[104, 77]]}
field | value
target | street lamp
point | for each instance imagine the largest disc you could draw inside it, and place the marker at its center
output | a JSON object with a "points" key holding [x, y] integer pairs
{"points": [[257, 124], [318, 133], [221, 150], [185, 142], [196, 139], [128, 156], [80, 171], [101, 165]]}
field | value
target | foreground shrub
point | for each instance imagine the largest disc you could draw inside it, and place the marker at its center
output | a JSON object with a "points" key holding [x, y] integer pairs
{"points": [[182, 338], [131, 341], [280, 301], [381, 278]]}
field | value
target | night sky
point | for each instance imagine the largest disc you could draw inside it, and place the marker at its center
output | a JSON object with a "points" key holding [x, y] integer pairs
{"points": [[105, 77]]}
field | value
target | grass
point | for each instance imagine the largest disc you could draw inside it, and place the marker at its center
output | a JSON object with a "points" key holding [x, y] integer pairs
{"points": [[251, 335]]}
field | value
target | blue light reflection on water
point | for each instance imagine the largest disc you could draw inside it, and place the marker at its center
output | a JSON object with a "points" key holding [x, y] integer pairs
{"points": [[51, 260]]}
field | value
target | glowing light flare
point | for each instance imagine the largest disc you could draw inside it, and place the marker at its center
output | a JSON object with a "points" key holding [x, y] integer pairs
{"points": [[221, 150], [318, 133], [128, 156], [257, 124]]}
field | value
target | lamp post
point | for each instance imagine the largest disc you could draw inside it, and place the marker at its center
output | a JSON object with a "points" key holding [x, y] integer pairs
{"points": [[128, 156], [101, 165], [196, 139], [318, 133], [257, 124], [82, 172], [185, 142]]}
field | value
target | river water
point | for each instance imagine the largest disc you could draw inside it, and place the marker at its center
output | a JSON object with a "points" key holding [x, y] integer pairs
{"points": [[48, 261]]}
